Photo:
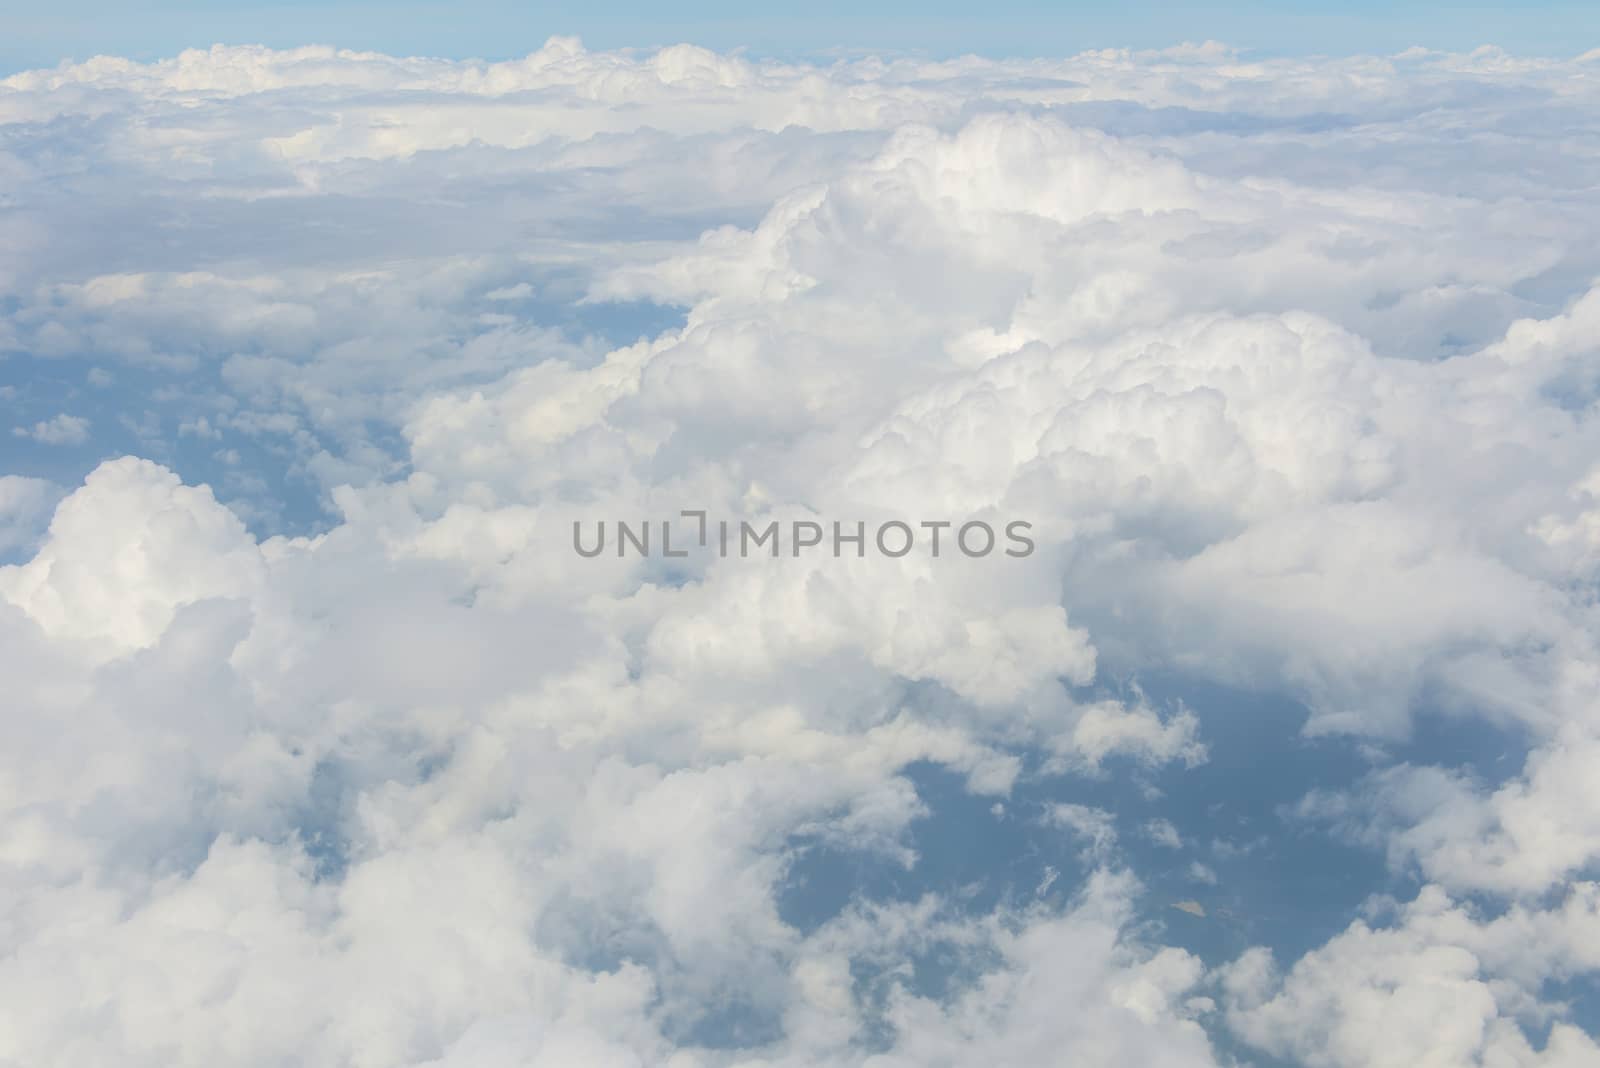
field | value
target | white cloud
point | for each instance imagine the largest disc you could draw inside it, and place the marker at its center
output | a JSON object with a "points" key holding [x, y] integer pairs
{"points": [[125, 552], [62, 429], [1289, 363], [1163, 833], [1437, 987]]}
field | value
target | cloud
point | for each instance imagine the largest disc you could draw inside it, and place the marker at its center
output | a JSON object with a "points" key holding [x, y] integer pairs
{"points": [[62, 429], [1288, 363], [1438, 986], [125, 552], [1163, 833]]}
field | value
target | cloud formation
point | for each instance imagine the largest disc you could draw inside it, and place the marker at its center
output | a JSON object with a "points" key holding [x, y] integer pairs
{"points": [[323, 747]]}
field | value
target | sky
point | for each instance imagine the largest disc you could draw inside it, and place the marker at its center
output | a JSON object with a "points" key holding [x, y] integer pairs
{"points": [[321, 743], [41, 35]]}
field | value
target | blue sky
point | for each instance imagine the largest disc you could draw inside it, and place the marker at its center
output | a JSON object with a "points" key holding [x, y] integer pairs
{"points": [[37, 35]]}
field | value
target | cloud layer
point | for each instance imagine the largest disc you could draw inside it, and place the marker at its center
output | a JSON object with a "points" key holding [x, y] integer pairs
{"points": [[322, 746]]}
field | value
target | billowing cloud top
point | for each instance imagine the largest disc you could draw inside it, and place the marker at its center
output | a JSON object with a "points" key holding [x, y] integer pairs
{"points": [[322, 745]]}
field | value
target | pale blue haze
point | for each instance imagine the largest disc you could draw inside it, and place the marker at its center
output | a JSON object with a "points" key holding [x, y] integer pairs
{"points": [[37, 35]]}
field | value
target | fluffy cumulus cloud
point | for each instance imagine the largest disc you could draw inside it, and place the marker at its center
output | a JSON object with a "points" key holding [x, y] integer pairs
{"points": [[323, 745]]}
